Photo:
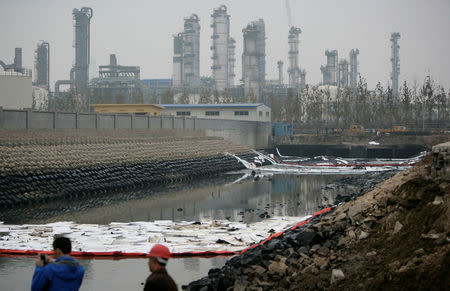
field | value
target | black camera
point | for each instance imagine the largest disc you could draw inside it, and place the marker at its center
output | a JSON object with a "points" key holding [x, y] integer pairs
{"points": [[44, 259]]}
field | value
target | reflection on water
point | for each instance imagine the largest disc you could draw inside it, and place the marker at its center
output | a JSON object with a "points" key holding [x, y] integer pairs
{"points": [[218, 198], [280, 195], [16, 273]]}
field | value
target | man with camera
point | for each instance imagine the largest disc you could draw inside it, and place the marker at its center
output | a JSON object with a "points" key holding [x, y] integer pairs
{"points": [[63, 273]]}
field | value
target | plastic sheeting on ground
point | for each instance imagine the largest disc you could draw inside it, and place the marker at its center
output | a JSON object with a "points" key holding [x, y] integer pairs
{"points": [[136, 238]]}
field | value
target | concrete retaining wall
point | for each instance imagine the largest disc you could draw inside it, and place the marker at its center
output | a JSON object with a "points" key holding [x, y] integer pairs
{"points": [[253, 134]]}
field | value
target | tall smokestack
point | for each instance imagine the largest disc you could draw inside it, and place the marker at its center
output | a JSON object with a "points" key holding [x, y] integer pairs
{"points": [[395, 59], [280, 72]]}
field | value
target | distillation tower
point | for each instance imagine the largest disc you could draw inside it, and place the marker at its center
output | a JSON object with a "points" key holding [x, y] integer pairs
{"points": [[191, 52], [177, 69], [82, 20], [329, 72], [280, 72], [79, 74], [231, 61], [353, 68], [42, 65], [220, 47], [17, 65], [302, 79], [253, 58], [395, 60], [343, 73], [294, 70]]}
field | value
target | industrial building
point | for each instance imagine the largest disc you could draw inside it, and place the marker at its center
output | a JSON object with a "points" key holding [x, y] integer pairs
{"points": [[117, 84], [143, 109], [154, 89], [395, 60], [79, 74], [42, 65], [15, 90], [254, 60], [15, 84], [237, 111]]}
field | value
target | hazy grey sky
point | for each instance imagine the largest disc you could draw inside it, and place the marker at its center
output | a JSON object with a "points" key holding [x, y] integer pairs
{"points": [[140, 33]]}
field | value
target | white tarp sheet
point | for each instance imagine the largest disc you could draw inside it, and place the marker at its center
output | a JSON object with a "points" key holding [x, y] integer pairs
{"points": [[140, 236]]}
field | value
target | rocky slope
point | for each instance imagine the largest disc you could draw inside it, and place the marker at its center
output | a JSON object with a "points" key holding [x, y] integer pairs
{"points": [[395, 237]]}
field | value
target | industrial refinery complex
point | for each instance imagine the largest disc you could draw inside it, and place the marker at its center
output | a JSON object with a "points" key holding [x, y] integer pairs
{"points": [[122, 84]]}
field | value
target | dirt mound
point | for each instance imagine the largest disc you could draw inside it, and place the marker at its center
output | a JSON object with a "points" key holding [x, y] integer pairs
{"points": [[395, 237]]}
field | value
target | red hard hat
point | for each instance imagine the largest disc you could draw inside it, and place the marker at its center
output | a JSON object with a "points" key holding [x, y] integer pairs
{"points": [[160, 251]]}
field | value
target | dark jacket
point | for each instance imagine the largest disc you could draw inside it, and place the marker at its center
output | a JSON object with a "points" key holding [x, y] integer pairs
{"points": [[160, 281], [64, 273]]}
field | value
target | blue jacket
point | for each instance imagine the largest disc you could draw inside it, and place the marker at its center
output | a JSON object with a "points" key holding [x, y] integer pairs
{"points": [[64, 273]]}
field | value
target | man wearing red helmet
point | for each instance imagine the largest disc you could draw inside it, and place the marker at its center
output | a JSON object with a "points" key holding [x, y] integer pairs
{"points": [[159, 279]]}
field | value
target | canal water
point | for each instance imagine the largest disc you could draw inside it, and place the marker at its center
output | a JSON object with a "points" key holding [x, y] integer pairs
{"points": [[231, 197]]}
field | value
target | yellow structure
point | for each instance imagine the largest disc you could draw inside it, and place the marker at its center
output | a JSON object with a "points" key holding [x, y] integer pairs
{"points": [[356, 129], [147, 109]]}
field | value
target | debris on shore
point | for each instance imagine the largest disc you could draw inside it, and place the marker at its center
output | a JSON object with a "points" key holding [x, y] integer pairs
{"points": [[393, 237]]}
